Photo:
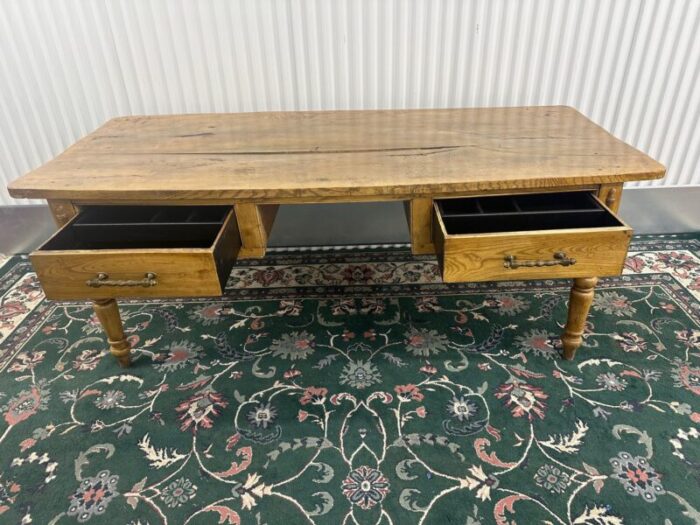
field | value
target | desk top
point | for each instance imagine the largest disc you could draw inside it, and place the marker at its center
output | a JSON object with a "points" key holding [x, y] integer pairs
{"points": [[336, 155]]}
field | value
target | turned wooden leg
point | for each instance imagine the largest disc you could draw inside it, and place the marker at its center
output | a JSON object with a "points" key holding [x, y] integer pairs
{"points": [[579, 302], [108, 313]]}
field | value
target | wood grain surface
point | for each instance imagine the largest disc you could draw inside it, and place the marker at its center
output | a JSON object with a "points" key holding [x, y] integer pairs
{"points": [[336, 155], [255, 224], [419, 213], [62, 211], [611, 195]]}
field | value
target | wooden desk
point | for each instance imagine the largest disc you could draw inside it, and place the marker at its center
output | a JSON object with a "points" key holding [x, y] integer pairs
{"points": [[163, 205]]}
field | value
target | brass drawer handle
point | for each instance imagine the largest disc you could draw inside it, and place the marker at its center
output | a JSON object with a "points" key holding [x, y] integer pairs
{"points": [[103, 279], [560, 259]]}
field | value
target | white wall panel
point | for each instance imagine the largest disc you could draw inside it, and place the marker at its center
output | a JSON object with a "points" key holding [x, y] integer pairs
{"points": [[66, 66]]}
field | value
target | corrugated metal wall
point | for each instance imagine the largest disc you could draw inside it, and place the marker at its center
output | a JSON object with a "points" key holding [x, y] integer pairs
{"points": [[66, 66]]}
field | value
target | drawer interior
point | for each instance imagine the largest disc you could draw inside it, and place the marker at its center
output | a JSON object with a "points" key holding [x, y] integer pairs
{"points": [[526, 212], [121, 227]]}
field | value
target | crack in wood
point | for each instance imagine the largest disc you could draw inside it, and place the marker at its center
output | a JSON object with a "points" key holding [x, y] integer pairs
{"points": [[418, 151], [203, 134], [426, 153]]}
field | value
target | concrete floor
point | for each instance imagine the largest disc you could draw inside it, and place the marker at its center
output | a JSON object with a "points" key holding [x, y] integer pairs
{"points": [[23, 228], [647, 210]]}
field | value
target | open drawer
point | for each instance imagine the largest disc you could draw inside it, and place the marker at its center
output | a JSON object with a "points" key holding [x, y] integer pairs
{"points": [[529, 236], [136, 251]]}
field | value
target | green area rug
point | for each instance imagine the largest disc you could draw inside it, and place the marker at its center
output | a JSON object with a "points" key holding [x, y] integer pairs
{"points": [[354, 387]]}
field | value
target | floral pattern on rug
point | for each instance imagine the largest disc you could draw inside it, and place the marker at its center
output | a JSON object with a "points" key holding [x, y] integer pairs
{"points": [[352, 400]]}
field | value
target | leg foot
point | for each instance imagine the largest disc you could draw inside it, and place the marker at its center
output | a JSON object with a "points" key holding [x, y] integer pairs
{"points": [[579, 302], [108, 313]]}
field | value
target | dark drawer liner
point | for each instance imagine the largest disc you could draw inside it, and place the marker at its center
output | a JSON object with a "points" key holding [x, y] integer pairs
{"points": [[527, 212], [122, 227]]}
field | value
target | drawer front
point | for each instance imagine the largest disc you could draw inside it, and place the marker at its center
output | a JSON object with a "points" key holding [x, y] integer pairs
{"points": [[538, 254], [139, 272]]}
